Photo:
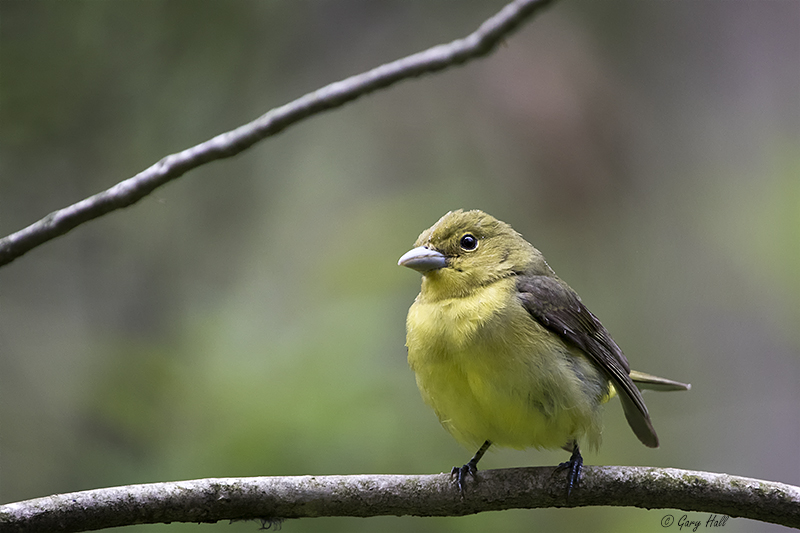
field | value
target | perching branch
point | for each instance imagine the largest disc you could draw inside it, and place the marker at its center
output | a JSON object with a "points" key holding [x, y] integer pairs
{"points": [[277, 498], [228, 144]]}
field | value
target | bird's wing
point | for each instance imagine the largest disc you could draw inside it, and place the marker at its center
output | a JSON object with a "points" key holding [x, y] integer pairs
{"points": [[558, 308]]}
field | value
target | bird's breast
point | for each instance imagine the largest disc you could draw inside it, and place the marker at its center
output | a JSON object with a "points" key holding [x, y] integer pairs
{"points": [[446, 326], [491, 372]]}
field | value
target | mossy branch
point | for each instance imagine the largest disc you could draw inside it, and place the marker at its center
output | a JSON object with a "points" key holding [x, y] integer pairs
{"points": [[477, 44], [272, 499]]}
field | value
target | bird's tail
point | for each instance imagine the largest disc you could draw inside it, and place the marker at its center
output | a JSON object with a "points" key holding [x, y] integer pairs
{"points": [[649, 382]]}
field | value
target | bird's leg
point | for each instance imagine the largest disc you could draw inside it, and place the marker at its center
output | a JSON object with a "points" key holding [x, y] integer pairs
{"points": [[469, 469], [573, 467]]}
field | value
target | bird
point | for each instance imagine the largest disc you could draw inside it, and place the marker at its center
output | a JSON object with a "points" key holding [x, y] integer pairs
{"points": [[507, 354]]}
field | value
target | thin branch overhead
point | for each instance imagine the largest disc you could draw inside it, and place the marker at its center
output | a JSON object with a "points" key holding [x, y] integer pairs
{"points": [[228, 144], [273, 499]]}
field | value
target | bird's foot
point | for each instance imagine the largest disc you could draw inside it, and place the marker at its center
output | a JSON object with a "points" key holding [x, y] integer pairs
{"points": [[573, 467], [469, 469], [460, 473]]}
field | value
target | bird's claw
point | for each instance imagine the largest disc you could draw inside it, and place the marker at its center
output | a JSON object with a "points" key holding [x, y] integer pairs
{"points": [[574, 467], [460, 474]]}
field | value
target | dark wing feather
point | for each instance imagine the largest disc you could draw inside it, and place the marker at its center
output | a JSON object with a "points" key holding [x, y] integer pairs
{"points": [[558, 308]]}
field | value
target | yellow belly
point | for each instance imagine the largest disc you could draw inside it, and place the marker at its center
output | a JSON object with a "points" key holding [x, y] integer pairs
{"points": [[491, 372]]}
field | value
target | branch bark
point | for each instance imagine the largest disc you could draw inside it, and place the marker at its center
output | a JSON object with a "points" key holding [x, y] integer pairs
{"points": [[272, 499], [479, 43]]}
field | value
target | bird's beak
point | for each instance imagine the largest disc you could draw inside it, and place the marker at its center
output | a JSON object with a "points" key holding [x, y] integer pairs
{"points": [[423, 259]]}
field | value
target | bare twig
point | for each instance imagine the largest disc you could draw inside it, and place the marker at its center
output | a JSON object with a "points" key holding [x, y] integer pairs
{"points": [[279, 498], [228, 144]]}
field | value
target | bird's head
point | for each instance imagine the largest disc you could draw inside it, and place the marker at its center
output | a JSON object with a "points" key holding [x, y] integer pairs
{"points": [[466, 250]]}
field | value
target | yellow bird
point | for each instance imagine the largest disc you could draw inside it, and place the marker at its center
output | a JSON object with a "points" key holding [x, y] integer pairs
{"points": [[506, 353]]}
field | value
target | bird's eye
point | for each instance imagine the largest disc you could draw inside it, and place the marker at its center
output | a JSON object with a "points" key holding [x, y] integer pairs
{"points": [[468, 242]]}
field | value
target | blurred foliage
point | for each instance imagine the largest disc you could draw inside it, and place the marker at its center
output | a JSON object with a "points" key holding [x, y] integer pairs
{"points": [[249, 318]]}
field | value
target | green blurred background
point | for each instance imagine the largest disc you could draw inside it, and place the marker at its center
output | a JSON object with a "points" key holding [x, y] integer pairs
{"points": [[248, 319]]}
